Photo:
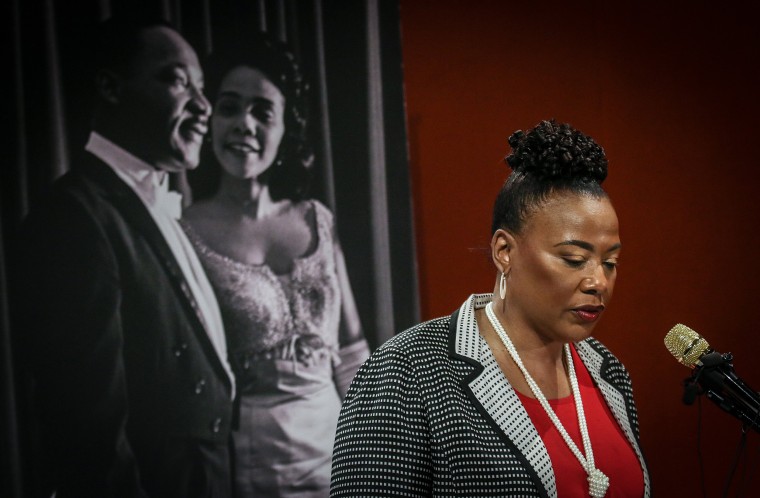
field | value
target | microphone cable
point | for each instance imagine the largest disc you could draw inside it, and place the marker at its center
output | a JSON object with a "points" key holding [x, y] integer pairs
{"points": [[700, 460], [740, 449], [746, 476]]}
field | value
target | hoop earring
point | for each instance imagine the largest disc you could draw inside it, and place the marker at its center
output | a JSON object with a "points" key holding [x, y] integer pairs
{"points": [[502, 286]]}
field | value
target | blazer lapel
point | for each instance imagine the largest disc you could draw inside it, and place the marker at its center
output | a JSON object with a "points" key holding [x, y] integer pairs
{"points": [[495, 398], [613, 397], [134, 211]]}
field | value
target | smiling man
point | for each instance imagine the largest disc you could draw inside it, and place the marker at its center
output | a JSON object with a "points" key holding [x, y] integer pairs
{"points": [[118, 325]]}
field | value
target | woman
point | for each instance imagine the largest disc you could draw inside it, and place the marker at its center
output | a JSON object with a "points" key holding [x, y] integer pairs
{"points": [[463, 405], [272, 256]]}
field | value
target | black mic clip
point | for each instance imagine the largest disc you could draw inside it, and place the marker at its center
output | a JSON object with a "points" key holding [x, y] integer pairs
{"points": [[692, 386], [716, 378], [691, 390]]}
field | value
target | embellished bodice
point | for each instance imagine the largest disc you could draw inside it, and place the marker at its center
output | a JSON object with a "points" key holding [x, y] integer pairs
{"points": [[292, 316]]}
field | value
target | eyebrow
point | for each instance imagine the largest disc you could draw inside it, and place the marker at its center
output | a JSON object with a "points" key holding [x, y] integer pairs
{"points": [[586, 245], [234, 94], [176, 65], [185, 69]]}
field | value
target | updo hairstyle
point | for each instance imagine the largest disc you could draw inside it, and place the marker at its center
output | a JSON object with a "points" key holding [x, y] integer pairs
{"points": [[549, 158]]}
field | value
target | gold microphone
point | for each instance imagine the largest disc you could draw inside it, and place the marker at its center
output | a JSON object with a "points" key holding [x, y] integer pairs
{"points": [[686, 345]]}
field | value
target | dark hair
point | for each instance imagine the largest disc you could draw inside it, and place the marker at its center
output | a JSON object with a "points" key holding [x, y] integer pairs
{"points": [[290, 175], [549, 158], [111, 45], [117, 41]]}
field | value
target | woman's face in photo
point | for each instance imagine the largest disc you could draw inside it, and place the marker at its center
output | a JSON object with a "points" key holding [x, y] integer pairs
{"points": [[247, 125]]}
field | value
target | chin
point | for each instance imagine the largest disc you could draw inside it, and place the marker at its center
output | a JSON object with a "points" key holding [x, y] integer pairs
{"points": [[184, 154], [176, 163], [242, 171], [188, 158], [191, 163], [582, 333], [238, 172]]}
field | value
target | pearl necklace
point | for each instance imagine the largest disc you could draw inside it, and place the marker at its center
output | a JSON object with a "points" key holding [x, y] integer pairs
{"points": [[598, 482]]}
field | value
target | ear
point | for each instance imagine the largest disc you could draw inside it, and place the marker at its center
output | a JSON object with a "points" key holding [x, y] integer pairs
{"points": [[502, 244], [108, 84]]}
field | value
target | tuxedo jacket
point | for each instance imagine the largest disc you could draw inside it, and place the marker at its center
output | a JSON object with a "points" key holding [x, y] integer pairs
{"points": [[430, 415], [128, 395]]}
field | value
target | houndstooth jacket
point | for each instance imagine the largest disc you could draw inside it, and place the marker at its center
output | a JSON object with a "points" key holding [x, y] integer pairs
{"points": [[430, 414]]}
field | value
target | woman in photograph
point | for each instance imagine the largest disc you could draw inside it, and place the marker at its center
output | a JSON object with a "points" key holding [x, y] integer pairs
{"points": [[274, 260], [510, 395]]}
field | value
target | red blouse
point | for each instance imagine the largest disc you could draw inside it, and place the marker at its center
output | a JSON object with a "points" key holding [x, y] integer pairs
{"points": [[613, 453]]}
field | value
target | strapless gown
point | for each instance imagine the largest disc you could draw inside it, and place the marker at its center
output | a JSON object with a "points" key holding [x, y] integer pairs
{"points": [[282, 334]]}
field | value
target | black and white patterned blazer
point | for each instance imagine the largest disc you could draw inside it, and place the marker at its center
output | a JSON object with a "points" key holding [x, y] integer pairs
{"points": [[431, 414]]}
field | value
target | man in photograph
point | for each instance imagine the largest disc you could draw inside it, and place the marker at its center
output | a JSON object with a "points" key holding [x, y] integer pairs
{"points": [[118, 328]]}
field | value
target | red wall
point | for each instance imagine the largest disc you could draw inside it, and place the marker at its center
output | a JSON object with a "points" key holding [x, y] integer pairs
{"points": [[671, 93]]}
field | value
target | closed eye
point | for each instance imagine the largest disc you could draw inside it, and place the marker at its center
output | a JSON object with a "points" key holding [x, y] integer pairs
{"points": [[176, 76], [263, 111], [228, 106], [610, 265], [574, 263]]}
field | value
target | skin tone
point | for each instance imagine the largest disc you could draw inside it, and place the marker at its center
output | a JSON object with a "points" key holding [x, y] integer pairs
{"points": [[248, 124], [561, 272], [241, 220], [155, 107]]}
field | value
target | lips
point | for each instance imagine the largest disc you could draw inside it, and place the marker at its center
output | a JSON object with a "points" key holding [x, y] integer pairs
{"points": [[588, 313], [252, 147], [193, 129]]}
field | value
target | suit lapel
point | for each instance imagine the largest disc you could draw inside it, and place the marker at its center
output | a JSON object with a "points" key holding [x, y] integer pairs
{"points": [[131, 207], [496, 399]]}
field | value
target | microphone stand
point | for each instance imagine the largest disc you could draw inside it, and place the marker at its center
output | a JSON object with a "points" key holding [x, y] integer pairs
{"points": [[717, 379]]}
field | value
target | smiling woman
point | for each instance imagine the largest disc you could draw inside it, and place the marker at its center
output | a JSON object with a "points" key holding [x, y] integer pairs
{"points": [[248, 100], [510, 396], [275, 262]]}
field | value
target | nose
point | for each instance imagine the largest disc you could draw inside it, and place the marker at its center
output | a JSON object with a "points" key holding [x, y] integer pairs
{"points": [[245, 123], [199, 104], [596, 282]]}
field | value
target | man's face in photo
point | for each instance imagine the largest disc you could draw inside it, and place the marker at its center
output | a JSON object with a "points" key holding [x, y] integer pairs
{"points": [[161, 98]]}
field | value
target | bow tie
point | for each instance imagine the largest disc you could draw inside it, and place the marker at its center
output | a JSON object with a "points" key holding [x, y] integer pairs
{"points": [[168, 202]]}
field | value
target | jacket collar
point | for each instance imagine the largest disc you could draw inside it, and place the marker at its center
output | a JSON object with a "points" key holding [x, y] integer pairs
{"points": [[149, 183], [496, 399], [136, 214]]}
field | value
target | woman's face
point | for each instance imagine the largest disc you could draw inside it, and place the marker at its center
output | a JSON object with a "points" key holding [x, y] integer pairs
{"points": [[562, 267], [248, 122]]}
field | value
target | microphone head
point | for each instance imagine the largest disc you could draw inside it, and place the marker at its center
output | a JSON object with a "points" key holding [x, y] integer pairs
{"points": [[686, 345]]}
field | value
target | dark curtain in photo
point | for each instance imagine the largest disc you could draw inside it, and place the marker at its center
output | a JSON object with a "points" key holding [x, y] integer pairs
{"points": [[348, 50]]}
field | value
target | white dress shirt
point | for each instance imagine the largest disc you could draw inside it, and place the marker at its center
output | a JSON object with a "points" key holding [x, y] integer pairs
{"points": [[152, 187]]}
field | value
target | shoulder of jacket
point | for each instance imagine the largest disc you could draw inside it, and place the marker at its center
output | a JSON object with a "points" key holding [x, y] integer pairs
{"points": [[423, 334]]}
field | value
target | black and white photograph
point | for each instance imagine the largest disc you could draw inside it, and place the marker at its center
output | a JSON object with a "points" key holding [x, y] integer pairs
{"points": [[206, 230]]}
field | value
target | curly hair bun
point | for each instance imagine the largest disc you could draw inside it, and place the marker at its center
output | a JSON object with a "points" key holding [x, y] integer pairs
{"points": [[557, 152]]}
